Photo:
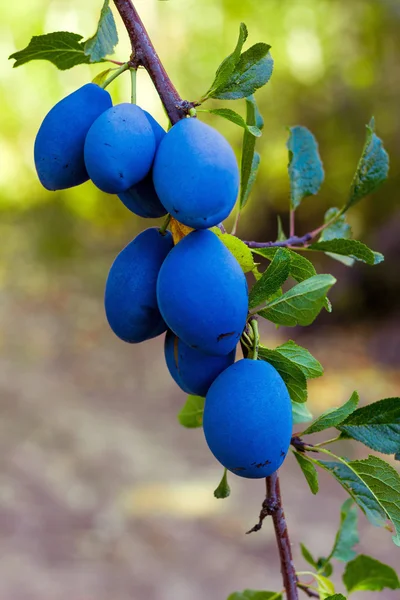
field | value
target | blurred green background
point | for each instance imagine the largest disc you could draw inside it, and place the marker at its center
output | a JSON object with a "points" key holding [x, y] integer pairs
{"points": [[102, 495]]}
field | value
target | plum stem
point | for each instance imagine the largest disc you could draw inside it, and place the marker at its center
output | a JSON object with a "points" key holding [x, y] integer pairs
{"points": [[144, 54], [115, 74], [133, 85], [272, 507]]}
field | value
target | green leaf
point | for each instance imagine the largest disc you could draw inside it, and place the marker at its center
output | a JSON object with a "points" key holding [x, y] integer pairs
{"points": [[228, 65], [281, 237], [339, 229], [347, 536], [376, 425], [372, 169], [293, 377], [301, 304], [223, 490], [106, 37], [384, 482], [300, 268], [306, 172], [62, 48], [334, 416], [336, 597], [253, 70], [234, 117], [240, 251], [309, 471], [302, 358], [325, 586], [191, 415], [253, 595], [300, 413], [250, 159], [352, 248], [308, 557], [357, 489], [102, 76], [366, 573], [272, 279]]}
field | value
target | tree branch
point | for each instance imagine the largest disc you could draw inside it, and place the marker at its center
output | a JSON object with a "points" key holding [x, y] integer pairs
{"points": [[144, 54], [291, 241], [272, 506]]}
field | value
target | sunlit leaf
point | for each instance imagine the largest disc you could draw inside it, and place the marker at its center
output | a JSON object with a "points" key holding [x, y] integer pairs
{"points": [[366, 573], [191, 415], [334, 416]]}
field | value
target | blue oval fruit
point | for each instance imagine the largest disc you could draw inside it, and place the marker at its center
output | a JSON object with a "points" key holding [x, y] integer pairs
{"points": [[248, 419], [142, 199], [191, 369], [196, 175], [119, 148], [202, 294], [59, 144], [130, 295]]}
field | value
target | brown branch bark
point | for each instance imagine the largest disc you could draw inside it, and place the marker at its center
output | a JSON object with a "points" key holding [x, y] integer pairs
{"points": [[272, 506], [144, 54]]}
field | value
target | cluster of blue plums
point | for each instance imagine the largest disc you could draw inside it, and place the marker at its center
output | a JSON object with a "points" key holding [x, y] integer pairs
{"points": [[194, 292]]}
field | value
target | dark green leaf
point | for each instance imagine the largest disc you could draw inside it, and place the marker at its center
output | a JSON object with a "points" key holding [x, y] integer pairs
{"points": [[376, 425], [339, 229], [223, 490], [324, 567], [253, 595], [191, 415], [302, 358], [372, 170], [62, 48], [352, 248], [300, 268], [309, 471], [357, 489], [300, 413], [291, 374], [334, 416], [272, 279], [336, 597], [105, 39], [366, 573], [250, 159], [306, 172], [234, 117], [228, 65], [347, 536], [253, 70], [301, 304], [384, 482], [308, 556]]}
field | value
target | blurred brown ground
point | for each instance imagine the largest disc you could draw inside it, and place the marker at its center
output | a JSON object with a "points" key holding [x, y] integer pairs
{"points": [[102, 494]]}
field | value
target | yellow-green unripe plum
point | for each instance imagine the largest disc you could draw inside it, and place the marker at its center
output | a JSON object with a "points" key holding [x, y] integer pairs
{"points": [[59, 144], [196, 175], [119, 148], [142, 199], [191, 369], [130, 296], [202, 294], [248, 419]]}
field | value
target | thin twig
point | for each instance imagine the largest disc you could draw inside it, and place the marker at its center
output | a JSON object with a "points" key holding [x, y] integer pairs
{"points": [[291, 241], [144, 54], [310, 593], [272, 506]]}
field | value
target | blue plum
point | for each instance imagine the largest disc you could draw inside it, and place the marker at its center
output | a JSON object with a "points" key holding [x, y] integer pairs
{"points": [[119, 148], [248, 419], [193, 370], [196, 175], [142, 198], [130, 295], [61, 137], [202, 294]]}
